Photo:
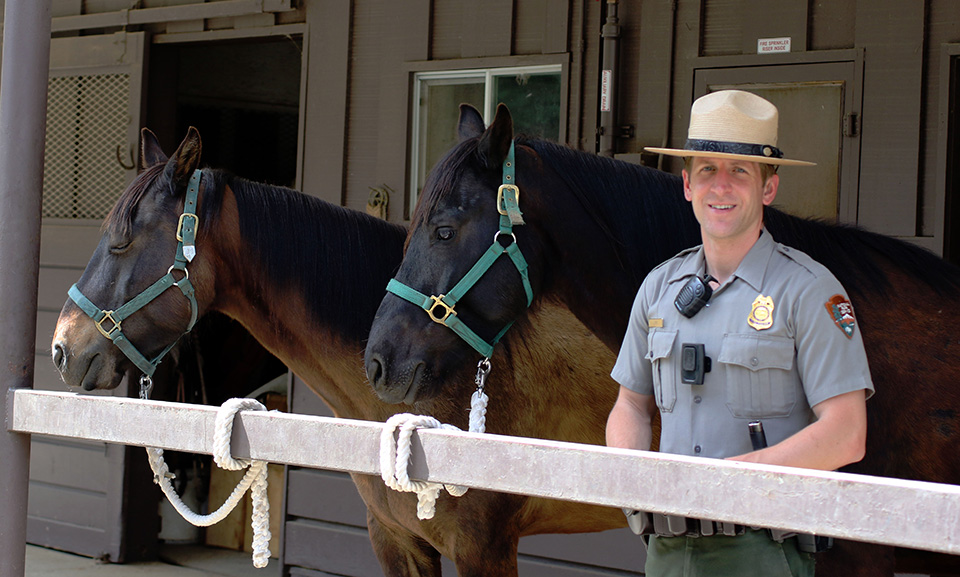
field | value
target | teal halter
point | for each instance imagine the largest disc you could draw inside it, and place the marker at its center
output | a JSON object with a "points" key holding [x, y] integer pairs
{"points": [[441, 308], [186, 250]]}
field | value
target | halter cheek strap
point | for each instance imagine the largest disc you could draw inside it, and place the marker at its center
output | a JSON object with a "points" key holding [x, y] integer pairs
{"points": [[108, 322], [440, 308]]}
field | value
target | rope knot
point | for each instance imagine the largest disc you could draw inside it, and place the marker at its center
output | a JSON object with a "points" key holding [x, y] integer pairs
{"points": [[255, 479]]}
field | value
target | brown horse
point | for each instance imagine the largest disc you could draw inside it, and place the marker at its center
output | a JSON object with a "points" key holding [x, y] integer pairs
{"points": [[305, 278], [595, 227]]}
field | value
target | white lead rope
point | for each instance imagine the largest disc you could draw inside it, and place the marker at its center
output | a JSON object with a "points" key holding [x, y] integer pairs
{"points": [[395, 454], [255, 479]]}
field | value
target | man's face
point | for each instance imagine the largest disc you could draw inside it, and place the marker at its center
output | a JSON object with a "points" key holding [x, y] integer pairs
{"points": [[728, 196]]}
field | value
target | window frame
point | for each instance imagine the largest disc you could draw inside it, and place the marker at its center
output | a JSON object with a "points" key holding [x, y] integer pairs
{"points": [[485, 69]]}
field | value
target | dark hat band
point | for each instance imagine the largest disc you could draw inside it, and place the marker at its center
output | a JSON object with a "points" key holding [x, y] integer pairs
{"points": [[761, 150]]}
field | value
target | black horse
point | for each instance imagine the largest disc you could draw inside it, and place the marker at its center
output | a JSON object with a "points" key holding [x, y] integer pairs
{"points": [[595, 227]]}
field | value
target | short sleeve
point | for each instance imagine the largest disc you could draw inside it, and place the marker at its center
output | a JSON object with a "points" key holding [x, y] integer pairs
{"points": [[831, 358], [632, 369]]}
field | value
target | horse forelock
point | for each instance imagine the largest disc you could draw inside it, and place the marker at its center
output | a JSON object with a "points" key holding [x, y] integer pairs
{"points": [[120, 218], [443, 179]]}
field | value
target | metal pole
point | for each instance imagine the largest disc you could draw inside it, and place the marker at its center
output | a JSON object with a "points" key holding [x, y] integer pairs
{"points": [[609, 80], [23, 111]]}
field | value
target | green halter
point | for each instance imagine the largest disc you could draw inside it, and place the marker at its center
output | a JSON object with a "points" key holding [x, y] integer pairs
{"points": [[186, 250], [441, 308]]}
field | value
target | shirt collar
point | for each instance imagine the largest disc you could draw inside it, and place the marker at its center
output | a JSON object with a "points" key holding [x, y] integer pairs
{"points": [[752, 268]]}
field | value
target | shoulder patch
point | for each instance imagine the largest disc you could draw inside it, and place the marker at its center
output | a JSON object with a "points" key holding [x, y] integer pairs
{"points": [[841, 311]]}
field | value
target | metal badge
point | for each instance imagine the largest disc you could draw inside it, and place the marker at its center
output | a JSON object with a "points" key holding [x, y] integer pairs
{"points": [[761, 313]]}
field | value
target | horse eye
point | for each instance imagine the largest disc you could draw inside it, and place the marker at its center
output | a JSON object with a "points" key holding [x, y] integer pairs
{"points": [[120, 247], [446, 233]]}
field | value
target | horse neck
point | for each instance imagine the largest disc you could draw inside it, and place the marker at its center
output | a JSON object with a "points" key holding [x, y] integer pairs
{"points": [[609, 224], [315, 339]]}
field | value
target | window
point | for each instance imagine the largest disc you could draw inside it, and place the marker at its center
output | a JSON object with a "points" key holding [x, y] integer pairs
{"points": [[533, 94]]}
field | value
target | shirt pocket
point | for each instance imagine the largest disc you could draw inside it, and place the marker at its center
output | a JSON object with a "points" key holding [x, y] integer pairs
{"points": [[659, 349], [760, 381]]}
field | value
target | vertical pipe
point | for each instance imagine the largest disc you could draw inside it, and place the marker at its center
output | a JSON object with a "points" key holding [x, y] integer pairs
{"points": [[608, 80], [23, 110]]}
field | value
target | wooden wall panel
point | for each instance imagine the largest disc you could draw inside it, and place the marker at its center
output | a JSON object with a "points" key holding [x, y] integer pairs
{"points": [[405, 37], [832, 25], [722, 27], [325, 125], [487, 28], [763, 19], [943, 28], [891, 33]]}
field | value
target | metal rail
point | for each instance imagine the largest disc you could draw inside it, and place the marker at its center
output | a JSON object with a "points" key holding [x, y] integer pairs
{"points": [[911, 514]]}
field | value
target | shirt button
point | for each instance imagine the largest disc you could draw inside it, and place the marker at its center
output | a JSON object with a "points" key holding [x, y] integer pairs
{"points": [[697, 399], [754, 361], [696, 449]]}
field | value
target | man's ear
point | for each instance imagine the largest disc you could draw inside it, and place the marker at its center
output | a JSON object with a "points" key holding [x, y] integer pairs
{"points": [[686, 185], [770, 189]]}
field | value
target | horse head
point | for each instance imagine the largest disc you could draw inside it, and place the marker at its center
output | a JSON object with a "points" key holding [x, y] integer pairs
{"points": [[465, 266], [129, 289]]}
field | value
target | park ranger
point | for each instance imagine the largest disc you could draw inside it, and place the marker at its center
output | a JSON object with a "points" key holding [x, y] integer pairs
{"points": [[736, 335]]}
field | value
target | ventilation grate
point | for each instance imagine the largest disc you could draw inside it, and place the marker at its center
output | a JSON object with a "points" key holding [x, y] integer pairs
{"points": [[87, 121]]}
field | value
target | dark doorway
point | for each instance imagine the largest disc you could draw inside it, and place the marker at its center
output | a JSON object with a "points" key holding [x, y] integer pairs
{"points": [[244, 98]]}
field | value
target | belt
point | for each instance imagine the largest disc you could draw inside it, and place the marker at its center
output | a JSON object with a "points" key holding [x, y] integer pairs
{"points": [[645, 523]]}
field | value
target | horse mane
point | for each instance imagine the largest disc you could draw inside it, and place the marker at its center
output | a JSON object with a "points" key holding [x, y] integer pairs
{"points": [[303, 241], [643, 214], [617, 195], [296, 240], [856, 256]]}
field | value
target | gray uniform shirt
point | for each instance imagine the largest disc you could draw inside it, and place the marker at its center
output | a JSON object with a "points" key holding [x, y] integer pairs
{"points": [[781, 336]]}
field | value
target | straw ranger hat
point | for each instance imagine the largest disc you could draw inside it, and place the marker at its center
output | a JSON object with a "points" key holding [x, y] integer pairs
{"points": [[733, 124]]}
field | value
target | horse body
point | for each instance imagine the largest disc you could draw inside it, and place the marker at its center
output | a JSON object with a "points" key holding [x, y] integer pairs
{"points": [[595, 227], [304, 278]]}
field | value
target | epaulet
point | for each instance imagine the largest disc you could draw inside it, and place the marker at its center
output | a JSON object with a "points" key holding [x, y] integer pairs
{"points": [[802, 259], [682, 253]]}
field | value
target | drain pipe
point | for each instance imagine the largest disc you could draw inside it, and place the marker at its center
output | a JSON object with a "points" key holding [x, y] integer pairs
{"points": [[608, 80]]}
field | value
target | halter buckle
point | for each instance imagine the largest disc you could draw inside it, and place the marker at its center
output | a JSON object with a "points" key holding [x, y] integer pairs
{"points": [[113, 330], [196, 224], [516, 195], [448, 310]]}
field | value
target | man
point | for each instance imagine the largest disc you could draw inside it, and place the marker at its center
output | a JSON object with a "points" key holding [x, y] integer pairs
{"points": [[775, 343]]}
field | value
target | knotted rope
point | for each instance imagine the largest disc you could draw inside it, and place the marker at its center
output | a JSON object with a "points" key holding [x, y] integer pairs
{"points": [[255, 479], [395, 456]]}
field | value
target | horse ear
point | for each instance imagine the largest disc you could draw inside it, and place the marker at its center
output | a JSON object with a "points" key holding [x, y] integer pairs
{"points": [[471, 123], [186, 159], [495, 143], [150, 152]]}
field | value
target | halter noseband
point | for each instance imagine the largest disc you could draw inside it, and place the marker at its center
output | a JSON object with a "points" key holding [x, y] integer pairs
{"points": [[441, 308], [186, 250]]}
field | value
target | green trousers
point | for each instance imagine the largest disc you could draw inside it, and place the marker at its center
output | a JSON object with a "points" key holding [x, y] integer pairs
{"points": [[751, 554]]}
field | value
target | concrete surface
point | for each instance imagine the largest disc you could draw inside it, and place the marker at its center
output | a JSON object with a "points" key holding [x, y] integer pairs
{"points": [[175, 561]]}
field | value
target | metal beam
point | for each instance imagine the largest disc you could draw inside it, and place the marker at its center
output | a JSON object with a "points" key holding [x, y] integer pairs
{"points": [[23, 110], [911, 514]]}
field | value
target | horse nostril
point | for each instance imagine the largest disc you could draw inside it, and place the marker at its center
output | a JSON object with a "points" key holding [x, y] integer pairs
{"points": [[375, 371], [59, 357]]}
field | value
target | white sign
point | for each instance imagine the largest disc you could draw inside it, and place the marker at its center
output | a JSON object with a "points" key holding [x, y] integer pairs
{"points": [[773, 45], [605, 79]]}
